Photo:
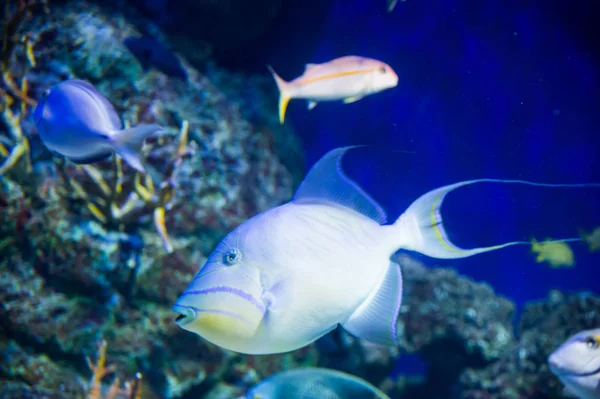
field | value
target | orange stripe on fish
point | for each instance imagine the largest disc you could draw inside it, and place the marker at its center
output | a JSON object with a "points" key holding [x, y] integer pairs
{"points": [[318, 83], [334, 75]]}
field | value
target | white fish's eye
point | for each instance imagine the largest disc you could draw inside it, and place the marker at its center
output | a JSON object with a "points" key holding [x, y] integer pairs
{"points": [[592, 342], [231, 257], [382, 69]]}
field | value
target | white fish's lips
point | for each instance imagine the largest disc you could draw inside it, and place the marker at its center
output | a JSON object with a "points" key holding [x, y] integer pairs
{"points": [[187, 314], [560, 372], [587, 374]]}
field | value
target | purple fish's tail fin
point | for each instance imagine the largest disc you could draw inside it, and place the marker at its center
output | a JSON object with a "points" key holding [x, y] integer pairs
{"points": [[128, 143], [284, 93]]}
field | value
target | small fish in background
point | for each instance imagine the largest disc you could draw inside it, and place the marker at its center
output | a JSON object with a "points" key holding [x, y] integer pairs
{"points": [[291, 274], [152, 54], [592, 239], [576, 363], [391, 4], [347, 79], [75, 121], [556, 253], [314, 383]]}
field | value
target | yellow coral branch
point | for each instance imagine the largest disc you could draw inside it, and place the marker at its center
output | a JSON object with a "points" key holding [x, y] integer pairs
{"points": [[96, 176], [161, 228], [146, 194], [21, 147], [15, 90], [136, 390], [99, 371], [113, 390], [29, 51], [183, 138]]}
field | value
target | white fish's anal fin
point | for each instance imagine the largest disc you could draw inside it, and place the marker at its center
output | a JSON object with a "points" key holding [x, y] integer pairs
{"points": [[310, 105], [327, 182], [375, 319], [349, 100]]}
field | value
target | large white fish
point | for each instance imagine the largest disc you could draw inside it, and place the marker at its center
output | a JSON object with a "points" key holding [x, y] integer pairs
{"points": [[347, 78], [314, 383], [75, 121], [291, 274], [576, 363]]}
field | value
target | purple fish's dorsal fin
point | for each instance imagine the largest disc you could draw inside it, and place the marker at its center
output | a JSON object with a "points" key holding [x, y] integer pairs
{"points": [[327, 182]]}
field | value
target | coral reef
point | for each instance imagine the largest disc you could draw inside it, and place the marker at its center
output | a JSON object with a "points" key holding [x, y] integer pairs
{"points": [[99, 253], [14, 98], [84, 250], [522, 371], [214, 24]]}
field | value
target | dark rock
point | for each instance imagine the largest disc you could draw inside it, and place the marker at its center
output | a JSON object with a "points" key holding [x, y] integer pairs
{"points": [[522, 371]]}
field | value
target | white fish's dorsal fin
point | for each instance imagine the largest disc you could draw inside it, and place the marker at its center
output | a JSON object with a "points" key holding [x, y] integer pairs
{"points": [[309, 66], [327, 182]]}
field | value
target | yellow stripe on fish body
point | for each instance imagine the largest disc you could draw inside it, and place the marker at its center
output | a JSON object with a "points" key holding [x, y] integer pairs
{"points": [[303, 81], [347, 78]]}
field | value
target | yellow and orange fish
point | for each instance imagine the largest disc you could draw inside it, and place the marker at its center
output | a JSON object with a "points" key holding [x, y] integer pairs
{"points": [[347, 79], [556, 254], [592, 239]]}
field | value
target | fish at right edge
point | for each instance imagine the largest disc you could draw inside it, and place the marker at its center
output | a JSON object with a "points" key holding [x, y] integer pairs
{"points": [[576, 363]]}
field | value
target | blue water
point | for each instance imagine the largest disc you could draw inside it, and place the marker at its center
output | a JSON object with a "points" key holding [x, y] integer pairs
{"points": [[504, 89]]}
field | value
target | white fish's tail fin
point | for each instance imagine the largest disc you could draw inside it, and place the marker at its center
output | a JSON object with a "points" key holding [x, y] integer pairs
{"points": [[284, 94], [128, 143], [422, 228]]}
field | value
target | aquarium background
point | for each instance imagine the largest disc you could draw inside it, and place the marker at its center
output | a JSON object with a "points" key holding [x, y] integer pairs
{"points": [[506, 90], [503, 89]]}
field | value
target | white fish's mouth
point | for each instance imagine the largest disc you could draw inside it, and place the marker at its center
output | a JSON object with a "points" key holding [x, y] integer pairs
{"points": [[186, 315]]}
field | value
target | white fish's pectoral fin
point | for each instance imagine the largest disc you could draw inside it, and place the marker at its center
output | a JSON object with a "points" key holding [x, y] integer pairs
{"points": [[310, 105], [349, 100], [327, 182], [375, 319], [128, 143]]}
